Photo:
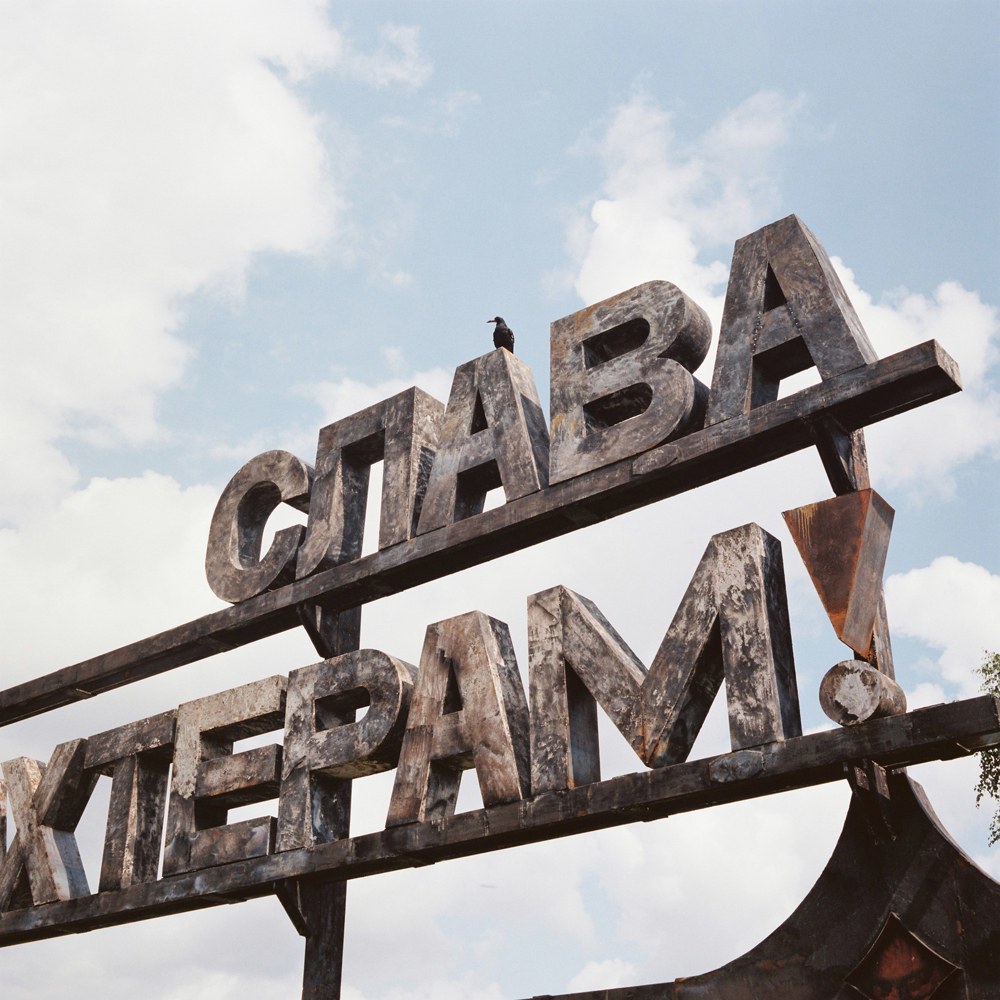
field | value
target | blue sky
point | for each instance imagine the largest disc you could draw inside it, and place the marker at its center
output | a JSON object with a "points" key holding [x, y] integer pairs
{"points": [[227, 224]]}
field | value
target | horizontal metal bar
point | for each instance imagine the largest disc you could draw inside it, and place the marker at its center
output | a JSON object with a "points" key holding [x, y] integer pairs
{"points": [[857, 398], [928, 734]]}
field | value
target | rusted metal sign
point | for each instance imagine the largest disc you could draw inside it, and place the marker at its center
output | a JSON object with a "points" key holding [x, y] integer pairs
{"points": [[630, 424]]}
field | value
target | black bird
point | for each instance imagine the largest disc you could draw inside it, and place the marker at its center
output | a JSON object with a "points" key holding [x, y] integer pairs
{"points": [[503, 335]]}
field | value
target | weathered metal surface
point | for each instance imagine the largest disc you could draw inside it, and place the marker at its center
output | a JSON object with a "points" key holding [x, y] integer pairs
{"points": [[870, 783], [785, 311], [732, 624], [880, 656], [153, 736], [943, 731], [493, 435], [402, 433], [135, 822], [47, 802], [15, 892], [330, 631], [324, 743], [468, 711], [317, 908], [137, 757], [909, 918], [249, 838], [860, 397], [3, 818], [844, 543], [240, 779], [621, 379], [853, 691], [844, 456], [233, 563], [208, 778]]}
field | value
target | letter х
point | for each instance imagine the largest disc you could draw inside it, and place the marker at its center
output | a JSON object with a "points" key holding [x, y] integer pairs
{"points": [[47, 802]]}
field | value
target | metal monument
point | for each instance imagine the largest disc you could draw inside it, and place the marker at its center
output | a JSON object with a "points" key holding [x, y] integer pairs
{"points": [[899, 912]]}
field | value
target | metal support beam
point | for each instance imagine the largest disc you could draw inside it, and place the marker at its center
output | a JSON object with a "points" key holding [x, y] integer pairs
{"points": [[317, 908]]}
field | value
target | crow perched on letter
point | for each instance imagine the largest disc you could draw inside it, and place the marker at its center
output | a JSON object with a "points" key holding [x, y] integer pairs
{"points": [[503, 335]]}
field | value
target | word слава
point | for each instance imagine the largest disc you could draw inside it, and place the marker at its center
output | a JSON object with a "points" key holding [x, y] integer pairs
{"points": [[621, 384]]}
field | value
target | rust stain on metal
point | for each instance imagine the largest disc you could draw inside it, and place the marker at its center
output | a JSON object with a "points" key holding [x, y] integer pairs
{"points": [[844, 542]]}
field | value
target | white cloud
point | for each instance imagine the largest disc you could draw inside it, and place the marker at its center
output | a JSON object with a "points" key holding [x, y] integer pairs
{"points": [[120, 559], [338, 398], [209, 955], [345, 396], [924, 695], [954, 607], [665, 203], [151, 150], [112, 564], [923, 447], [437, 116], [606, 975], [397, 60], [720, 879]]}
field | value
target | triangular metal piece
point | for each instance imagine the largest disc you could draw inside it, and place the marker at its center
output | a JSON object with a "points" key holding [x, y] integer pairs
{"points": [[844, 542]]}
